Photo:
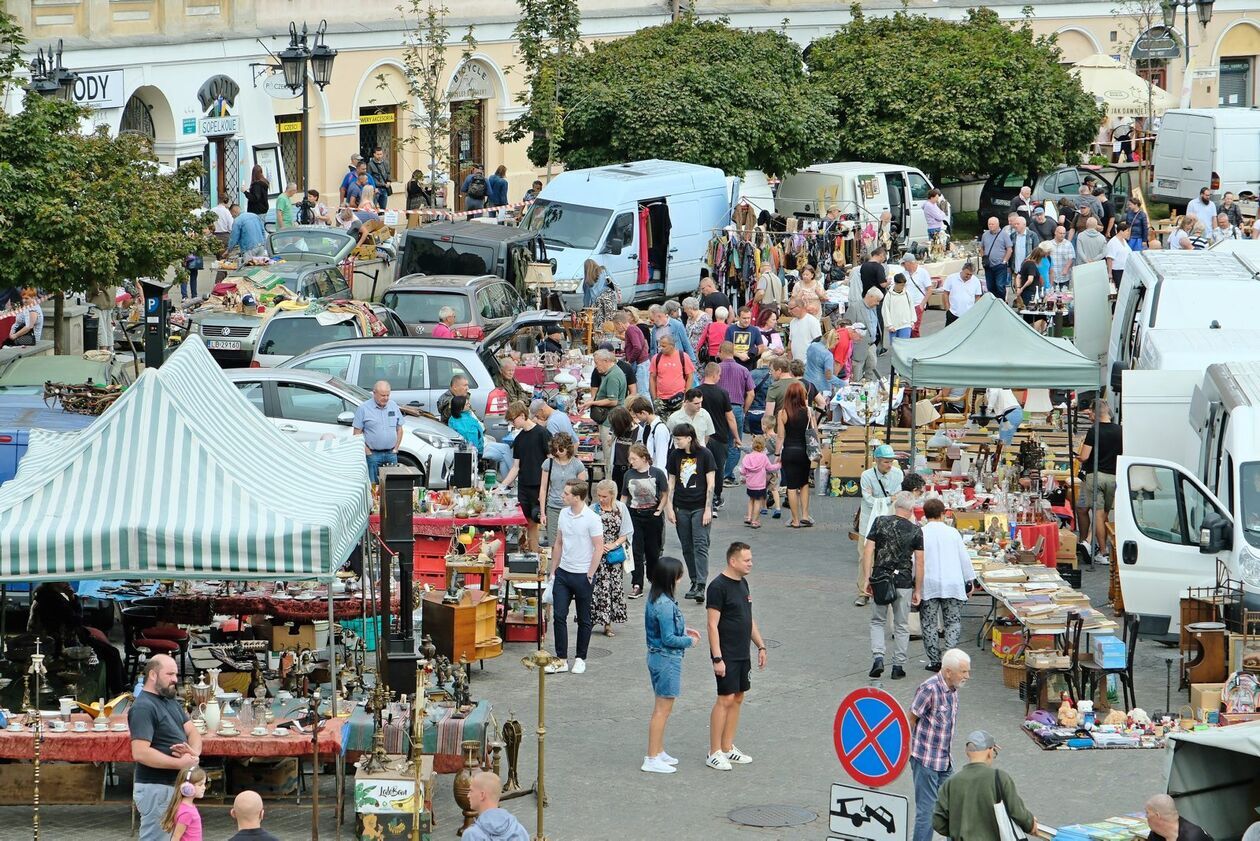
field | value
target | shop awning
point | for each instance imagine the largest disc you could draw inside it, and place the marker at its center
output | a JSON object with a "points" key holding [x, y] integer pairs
{"points": [[181, 478], [1212, 775], [992, 347], [1121, 91]]}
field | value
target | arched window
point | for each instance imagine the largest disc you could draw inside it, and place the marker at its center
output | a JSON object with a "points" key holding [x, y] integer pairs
{"points": [[137, 119]]}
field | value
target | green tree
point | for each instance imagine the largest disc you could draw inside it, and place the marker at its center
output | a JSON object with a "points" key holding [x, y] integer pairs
{"points": [[87, 209], [951, 97], [548, 38], [693, 91], [424, 63]]}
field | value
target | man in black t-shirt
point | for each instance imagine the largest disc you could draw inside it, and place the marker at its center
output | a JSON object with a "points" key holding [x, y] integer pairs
{"points": [[163, 743], [717, 403], [893, 551], [529, 451], [873, 273], [1099, 491], [731, 630], [711, 298]]}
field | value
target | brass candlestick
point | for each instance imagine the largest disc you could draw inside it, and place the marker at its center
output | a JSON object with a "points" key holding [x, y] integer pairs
{"points": [[539, 660], [417, 742], [379, 699]]}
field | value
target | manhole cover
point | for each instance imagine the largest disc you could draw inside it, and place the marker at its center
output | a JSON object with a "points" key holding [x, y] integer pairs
{"points": [[775, 814], [593, 653], [771, 643]]}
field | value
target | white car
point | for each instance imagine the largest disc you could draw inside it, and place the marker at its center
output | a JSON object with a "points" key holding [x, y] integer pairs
{"points": [[310, 405]]}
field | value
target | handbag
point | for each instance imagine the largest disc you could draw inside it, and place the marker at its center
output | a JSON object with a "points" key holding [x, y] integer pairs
{"points": [[616, 556], [599, 414], [1007, 828], [813, 447]]}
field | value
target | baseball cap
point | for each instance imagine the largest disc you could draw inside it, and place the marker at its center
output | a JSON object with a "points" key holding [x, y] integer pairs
{"points": [[1039, 209], [885, 451], [980, 740], [908, 257]]}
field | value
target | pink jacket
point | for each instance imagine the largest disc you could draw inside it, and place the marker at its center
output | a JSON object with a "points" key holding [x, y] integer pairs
{"points": [[755, 466]]}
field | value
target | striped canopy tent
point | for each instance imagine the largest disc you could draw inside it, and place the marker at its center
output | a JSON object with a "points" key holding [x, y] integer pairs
{"points": [[181, 478]]}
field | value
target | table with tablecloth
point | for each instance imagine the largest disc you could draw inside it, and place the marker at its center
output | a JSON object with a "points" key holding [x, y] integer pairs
{"points": [[268, 602], [444, 731]]}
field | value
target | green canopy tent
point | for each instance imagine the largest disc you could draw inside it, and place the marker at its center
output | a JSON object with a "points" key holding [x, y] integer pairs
{"points": [[1212, 776]]}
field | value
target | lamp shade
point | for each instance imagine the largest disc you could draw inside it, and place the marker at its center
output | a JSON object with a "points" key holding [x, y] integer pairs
{"points": [[1037, 401], [321, 64], [293, 63], [1168, 10], [925, 412], [1205, 11]]}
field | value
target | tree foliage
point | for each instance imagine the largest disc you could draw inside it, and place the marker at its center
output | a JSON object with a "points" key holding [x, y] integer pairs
{"points": [[693, 91], [951, 97], [548, 38], [88, 209]]}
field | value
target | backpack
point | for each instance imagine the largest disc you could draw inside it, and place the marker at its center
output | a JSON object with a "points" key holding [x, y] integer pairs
{"points": [[477, 186]]}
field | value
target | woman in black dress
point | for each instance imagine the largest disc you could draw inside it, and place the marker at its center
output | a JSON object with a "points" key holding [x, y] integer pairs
{"points": [[259, 189], [793, 419]]}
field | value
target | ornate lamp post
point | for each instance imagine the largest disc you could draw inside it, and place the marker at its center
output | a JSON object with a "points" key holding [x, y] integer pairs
{"points": [[49, 78], [294, 62]]}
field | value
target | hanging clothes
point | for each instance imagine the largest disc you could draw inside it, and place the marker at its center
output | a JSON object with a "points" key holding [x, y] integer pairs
{"points": [[645, 233]]}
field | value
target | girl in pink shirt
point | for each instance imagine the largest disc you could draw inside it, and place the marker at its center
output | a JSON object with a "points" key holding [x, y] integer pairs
{"points": [[182, 820], [755, 467]]}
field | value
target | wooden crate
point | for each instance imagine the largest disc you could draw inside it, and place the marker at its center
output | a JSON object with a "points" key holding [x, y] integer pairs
{"points": [[60, 783]]}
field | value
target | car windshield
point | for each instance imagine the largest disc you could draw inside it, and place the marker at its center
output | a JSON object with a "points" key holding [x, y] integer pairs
{"points": [[423, 254], [327, 242], [291, 336], [570, 225], [421, 306], [1249, 482]]}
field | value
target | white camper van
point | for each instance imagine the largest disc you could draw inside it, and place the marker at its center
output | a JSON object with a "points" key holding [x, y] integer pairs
{"points": [[1206, 147], [1175, 522], [647, 222], [861, 190]]}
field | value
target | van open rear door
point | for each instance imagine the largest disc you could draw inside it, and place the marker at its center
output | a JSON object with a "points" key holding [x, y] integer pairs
{"points": [[1159, 509]]}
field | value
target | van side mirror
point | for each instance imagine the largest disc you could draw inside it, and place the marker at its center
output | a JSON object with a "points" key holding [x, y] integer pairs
{"points": [[1216, 534], [345, 418], [614, 245]]}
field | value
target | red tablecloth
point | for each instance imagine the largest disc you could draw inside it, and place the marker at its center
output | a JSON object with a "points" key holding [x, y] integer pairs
{"points": [[1050, 531], [6, 326], [116, 747], [289, 610]]}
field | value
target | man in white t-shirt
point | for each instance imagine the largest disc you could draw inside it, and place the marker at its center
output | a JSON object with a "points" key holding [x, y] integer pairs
{"points": [[1203, 208], [919, 286], [578, 552], [1000, 403], [962, 289], [804, 328]]}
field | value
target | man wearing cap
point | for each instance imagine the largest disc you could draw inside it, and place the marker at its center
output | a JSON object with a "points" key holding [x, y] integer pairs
{"points": [[964, 805], [933, 715], [1042, 225], [554, 343]]}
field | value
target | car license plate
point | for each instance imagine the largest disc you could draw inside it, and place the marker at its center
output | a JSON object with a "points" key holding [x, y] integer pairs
{"points": [[1001, 202], [221, 344], [1170, 183]]}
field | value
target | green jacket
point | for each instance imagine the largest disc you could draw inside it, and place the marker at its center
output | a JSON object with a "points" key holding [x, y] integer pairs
{"points": [[964, 805]]}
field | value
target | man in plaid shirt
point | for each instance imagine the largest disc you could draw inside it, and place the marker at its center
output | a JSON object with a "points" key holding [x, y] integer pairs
{"points": [[1062, 255], [932, 717]]}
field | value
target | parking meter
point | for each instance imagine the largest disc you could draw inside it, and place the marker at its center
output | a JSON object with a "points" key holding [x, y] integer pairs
{"points": [[156, 313]]}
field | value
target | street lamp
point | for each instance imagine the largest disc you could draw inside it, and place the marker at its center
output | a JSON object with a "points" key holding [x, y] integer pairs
{"points": [[1168, 8], [49, 78], [294, 61]]}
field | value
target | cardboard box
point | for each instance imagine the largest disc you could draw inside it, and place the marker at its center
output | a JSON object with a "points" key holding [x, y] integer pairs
{"points": [[1205, 699], [847, 465], [1067, 547], [1007, 641], [1109, 652], [288, 636]]}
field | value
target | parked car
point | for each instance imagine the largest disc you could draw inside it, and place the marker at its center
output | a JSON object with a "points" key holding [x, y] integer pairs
{"points": [[481, 302], [310, 405], [462, 248], [312, 243], [27, 374], [291, 332], [1063, 182], [420, 370], [231, 336]]}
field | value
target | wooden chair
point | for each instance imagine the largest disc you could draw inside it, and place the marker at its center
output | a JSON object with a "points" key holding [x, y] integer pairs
{"points": [[954, 418], [1068, 645], [1093, 673]]}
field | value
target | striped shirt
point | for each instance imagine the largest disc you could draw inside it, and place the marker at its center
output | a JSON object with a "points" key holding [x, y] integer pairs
{"points": [[936, 707]]}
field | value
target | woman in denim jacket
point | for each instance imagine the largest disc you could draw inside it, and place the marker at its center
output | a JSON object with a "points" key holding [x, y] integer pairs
{"points": [[667, 638]]}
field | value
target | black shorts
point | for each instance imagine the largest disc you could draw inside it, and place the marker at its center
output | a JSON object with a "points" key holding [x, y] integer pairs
{"points": [[527, 496], [737, 678]]}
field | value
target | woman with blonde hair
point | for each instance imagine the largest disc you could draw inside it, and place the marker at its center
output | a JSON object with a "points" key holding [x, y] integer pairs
{"points": [[608, 595], [1179, 239], [594, 277]]}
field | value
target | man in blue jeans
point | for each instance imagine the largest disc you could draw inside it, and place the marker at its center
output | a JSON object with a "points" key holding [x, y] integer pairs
{"points": [[995, 245], [578, 552], [933, 715], [379, 421]]}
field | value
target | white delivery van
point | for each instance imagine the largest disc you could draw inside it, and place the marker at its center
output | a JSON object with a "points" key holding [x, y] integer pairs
{"points": [[1175, 522], [863, 191], [1179, 290], [597, 214], [1206, 147]]}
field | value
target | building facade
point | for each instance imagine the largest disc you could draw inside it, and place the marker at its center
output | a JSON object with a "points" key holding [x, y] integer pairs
{"points": [[198, 77]]}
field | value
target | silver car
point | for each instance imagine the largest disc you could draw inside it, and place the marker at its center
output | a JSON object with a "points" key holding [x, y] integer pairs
{"points": [[310, 405]]}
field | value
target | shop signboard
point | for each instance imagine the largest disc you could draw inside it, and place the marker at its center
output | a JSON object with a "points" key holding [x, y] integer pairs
{"points": [[219, 126], [275, 87], [1158, 42], [872, 736], [99, 89], [858, 813]]}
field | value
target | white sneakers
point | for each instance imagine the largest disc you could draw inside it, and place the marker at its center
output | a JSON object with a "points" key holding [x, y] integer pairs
{"points": [[657, 765], [666, 758], [579, 667], [718, 762], [737, 756]]}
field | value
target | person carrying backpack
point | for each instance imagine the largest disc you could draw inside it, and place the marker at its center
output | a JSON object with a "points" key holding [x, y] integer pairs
{"points": [[474, 189]]}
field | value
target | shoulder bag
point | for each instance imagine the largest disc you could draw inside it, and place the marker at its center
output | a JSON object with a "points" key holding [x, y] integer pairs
{"points": [[614, 556], [1008, 830], [813, 447]]}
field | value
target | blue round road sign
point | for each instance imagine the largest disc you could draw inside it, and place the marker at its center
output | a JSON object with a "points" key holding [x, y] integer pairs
{"points": [[872, 736]]}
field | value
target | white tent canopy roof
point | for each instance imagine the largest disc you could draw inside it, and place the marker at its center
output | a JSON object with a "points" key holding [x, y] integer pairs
{"points": [[1121, 91]]}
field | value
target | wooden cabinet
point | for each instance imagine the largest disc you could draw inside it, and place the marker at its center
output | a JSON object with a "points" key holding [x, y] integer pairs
{"points": [[468, 629]]}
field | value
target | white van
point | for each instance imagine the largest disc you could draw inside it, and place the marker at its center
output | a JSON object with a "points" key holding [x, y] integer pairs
{"points": [[863, 191], [1179, 290], [595, 214], [1206, 147], [1175, 522]]}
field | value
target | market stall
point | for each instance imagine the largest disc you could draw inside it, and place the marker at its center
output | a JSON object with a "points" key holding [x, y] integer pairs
{"points": [[1213, 777]]}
